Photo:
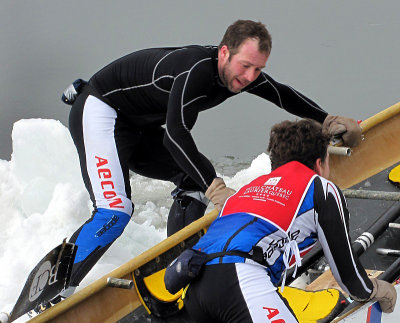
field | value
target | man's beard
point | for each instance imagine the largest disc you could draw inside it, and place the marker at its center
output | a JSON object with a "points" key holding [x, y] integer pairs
{"points": [[225, 79]]}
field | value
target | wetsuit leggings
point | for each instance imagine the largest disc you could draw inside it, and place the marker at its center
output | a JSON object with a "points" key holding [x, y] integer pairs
{"points": [[233, 293], [108, 147]]}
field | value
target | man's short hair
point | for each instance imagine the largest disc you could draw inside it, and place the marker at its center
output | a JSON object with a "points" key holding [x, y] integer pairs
{"points": [[302, 141], [241, 30]]}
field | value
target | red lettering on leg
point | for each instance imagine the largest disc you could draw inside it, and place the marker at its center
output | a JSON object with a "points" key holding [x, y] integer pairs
{"points": [[115, 203], [104, 183], [106, 173], [271, 312], [109, 194], [101, 161]]}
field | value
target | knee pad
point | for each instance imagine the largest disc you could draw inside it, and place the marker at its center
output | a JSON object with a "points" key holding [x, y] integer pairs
{"points": [[100, 231], [94, 238], [186, 208]]}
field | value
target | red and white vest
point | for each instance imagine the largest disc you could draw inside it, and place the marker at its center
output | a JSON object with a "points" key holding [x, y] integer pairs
{"points": [[275, 197]]}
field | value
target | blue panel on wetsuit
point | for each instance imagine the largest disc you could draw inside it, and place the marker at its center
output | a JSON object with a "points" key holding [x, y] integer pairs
{"points": [[308, 202], [221, 235], [103, 229], [309, 241]]}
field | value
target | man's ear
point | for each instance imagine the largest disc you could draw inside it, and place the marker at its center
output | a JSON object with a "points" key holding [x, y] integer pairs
{"points": [[317, 166], [224, 51]]}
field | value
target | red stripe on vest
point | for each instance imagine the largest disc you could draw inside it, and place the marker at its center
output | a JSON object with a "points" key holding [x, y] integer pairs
{"points": [[275, 197]]}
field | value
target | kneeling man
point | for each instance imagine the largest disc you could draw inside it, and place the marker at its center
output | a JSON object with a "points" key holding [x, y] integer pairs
{"points": [[277, 218]]}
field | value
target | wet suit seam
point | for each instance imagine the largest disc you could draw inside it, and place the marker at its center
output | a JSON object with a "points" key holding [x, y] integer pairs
{"points": [[186, 156], [234, 235]]}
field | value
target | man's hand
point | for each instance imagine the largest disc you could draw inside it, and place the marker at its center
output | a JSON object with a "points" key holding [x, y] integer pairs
{"points": [[217, 193], [385, 294], [347, 128]]}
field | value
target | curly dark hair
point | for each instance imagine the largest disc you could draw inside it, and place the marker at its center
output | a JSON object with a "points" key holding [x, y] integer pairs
{"points": [[302, 141], [241, 30]]}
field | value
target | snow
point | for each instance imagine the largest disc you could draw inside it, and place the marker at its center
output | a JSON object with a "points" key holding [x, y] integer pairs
{"points": [[43, 200]]}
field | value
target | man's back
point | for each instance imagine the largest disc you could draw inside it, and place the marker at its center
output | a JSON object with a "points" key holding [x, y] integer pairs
{"points": [[269, 212]]}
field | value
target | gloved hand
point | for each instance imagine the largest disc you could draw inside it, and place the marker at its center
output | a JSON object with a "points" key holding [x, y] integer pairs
{"points": [[385, 294], [348, 128], [217, 193]]}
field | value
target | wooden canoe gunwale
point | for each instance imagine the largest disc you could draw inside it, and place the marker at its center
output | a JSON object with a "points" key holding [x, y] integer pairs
{"points": [[379, 150]]}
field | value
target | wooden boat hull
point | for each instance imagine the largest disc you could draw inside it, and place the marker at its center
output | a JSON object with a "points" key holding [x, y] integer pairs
{"points": [[99, 303]]}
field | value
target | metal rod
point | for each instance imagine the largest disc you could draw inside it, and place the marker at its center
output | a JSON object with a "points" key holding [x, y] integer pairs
{"points": [[119, 283], [341, 151], [394, 225], [373, 195], [376, 229], [388, 252]]}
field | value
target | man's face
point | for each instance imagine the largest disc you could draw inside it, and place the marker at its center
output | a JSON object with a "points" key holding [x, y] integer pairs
{"points": [[238, 71]]}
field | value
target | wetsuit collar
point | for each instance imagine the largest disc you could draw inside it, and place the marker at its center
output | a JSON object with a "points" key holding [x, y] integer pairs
{"points": [[214, 55]]}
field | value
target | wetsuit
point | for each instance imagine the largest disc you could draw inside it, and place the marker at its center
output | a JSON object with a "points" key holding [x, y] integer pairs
{"points": [[137, 114], [285, 213]]}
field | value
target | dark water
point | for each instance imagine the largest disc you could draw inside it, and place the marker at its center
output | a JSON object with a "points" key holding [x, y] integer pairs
{"points": [[230, 165]]}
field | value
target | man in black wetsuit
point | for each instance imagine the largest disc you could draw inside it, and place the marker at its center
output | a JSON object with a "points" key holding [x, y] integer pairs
{"points": [[137, 114]]}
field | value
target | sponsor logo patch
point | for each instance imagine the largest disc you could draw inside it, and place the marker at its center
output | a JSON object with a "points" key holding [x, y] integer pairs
{"points": [[114, 219], [107, 184], [273, 181], [46, 275]]}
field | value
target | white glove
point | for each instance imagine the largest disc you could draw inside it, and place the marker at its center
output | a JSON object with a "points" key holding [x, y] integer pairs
{"points": [[217, 193], [385, 294]]}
